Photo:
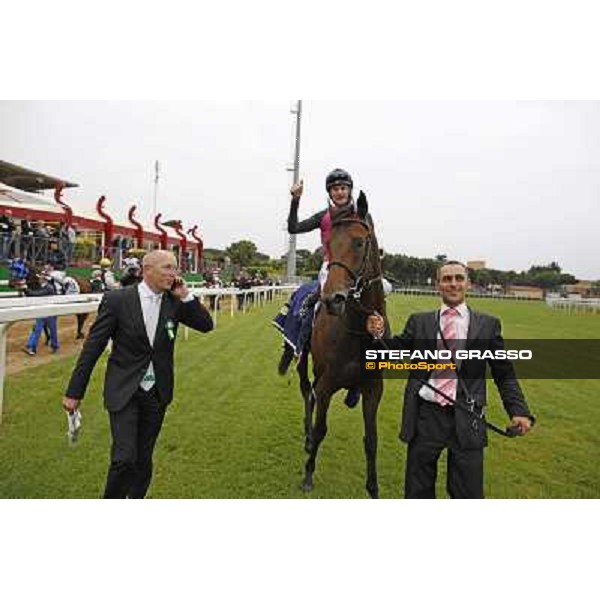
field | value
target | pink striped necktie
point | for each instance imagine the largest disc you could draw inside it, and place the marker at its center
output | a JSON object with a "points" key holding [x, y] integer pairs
{"points": [[446, 381]]}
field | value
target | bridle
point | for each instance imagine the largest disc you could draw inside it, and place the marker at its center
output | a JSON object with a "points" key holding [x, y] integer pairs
{"points": [[360, 283]]}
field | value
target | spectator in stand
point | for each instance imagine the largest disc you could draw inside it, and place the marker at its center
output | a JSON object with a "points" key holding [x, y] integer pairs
{"points": [[26, 237], [26, 227], [42, 237], [41, 230], [7, 228], [56, 258], [71, 234]]}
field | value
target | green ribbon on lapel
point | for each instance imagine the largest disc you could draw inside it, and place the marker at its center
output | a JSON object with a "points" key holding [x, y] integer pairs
{"points": [[170, 329]]}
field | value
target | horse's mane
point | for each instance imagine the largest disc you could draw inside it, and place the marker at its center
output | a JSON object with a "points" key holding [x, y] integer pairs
{"points": [[343, 213], [374, 259]]}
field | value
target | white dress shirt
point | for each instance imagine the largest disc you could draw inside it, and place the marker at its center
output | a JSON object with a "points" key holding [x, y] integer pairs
{"points": [[462, 329], [150, 302]]}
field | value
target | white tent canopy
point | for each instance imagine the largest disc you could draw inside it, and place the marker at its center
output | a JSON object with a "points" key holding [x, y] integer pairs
{"points": [[13, 197]]}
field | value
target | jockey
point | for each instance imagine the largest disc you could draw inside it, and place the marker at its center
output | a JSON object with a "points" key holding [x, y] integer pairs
{"points": [[64, 284], [96, 282], [339, 186], [108, 277], [132, 273]]}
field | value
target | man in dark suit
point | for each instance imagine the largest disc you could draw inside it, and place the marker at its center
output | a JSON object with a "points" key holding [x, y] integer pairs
{"points": [[430, 421], [142, 321]]}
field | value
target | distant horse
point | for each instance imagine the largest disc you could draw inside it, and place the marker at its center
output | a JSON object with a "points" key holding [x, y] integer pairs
{"points": [[352, 292]]}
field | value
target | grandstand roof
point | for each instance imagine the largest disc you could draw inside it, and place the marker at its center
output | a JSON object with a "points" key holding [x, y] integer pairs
{"points": [[28, 180]]}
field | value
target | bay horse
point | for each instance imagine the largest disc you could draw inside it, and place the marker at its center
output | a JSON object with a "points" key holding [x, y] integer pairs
{"points": [[352, 292]]}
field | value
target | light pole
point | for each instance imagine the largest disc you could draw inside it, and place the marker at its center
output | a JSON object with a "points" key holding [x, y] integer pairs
{"points": [[291, 257], [156, 174]]}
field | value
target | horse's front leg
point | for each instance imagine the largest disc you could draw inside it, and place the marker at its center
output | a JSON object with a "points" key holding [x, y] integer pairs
{"points": [[371, 393], [322, 398]]}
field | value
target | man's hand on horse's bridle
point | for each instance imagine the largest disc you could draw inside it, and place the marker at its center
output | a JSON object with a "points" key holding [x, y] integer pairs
{"points": [[297, 189], [523, 423], [375, 325]]}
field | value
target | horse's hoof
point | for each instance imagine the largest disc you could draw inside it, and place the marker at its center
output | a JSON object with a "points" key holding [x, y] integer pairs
{"points": [[307, 486], [373, 493]]}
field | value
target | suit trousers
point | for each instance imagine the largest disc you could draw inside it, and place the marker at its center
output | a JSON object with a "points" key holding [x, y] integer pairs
{"points": [[436, 430], [134, 430]]}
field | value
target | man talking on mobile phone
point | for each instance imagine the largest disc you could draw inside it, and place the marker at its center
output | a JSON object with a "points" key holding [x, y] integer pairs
{"points": [[142, 322]]}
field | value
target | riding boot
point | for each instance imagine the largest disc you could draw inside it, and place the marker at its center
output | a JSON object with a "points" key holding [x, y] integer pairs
{"points": [[305, 333], [286, 358], [352, 397], [309, 303]]}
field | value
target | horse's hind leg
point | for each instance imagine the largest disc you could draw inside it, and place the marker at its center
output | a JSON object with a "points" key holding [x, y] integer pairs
{"points": [[323, 397], [80, 322], [371, 397], [309, 400]]}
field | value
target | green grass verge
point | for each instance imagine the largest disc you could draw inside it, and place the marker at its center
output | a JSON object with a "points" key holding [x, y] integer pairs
{"points": [[235, 428]]}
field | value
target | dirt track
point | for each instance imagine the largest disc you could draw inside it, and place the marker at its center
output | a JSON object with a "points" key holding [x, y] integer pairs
{"points": [[18, 333]]}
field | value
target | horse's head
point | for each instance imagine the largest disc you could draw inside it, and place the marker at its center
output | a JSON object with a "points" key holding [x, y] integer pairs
{"points": [[32, 280], [354, 258]]}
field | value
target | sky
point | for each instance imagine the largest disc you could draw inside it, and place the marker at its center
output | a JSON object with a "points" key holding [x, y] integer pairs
{"points": [[513, 183]]}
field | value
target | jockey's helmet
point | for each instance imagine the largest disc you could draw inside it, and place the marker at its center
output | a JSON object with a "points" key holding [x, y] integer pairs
{"points": [[338, 177]]}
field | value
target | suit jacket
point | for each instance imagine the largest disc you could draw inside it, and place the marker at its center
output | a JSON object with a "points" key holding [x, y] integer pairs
{"points": [[120, 317], [420, 333]]}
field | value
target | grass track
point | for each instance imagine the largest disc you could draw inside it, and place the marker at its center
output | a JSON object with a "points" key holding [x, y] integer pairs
{"points": [[235, 427]]}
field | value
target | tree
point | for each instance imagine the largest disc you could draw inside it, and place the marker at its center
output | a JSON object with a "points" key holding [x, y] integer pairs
{"points": [[302, 256], [242, 253]]}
